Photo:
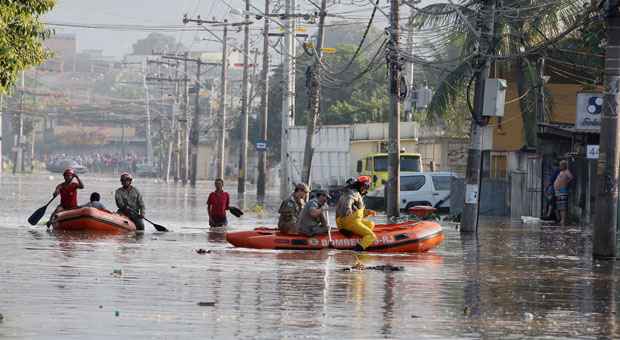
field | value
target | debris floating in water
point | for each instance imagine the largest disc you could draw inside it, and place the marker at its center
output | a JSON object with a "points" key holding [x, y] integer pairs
{"points": [[206, 304], [528, 316], [1, 317], [117, 313], [385, 268], [203, 251], [117, 272]]}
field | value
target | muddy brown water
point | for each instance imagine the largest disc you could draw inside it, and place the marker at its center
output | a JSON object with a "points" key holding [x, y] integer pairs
{"points": [[513, 281]]}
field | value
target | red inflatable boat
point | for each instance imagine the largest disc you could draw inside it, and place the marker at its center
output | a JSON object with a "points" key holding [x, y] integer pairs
{"points": [[407, 237], [93, 220]]}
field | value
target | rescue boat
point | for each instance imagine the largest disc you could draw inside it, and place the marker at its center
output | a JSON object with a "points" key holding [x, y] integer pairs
{"points": [[406, 237], [93, 220]]}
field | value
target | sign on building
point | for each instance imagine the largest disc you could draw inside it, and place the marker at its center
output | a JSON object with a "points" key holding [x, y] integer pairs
{"points": [[589, 110]]}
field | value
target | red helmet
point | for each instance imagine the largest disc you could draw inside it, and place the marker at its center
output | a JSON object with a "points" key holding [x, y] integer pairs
{"points": [[126, 175], [69, 171], [364, 182]]}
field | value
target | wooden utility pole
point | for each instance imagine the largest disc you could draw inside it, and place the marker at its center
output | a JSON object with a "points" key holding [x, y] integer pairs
{"points": [[474, 154], [243, 154], [395, 68], [264, 104], [288, 96], [606, 220], [315, 97]]}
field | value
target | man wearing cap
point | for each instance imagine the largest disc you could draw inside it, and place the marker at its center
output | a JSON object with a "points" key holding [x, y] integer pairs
{"points": [[313, 217], [290, 209], [129, 201], [68, 193]]}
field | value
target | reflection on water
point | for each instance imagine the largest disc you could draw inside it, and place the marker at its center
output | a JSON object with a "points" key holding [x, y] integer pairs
{"points": [[510, 281]]}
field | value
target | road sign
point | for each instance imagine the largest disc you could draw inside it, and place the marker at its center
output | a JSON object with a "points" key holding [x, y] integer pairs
{"points": [[261, 145], [328, 50]]}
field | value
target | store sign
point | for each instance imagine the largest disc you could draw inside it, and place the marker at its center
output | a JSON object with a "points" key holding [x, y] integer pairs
{"points": [[589, 111]]}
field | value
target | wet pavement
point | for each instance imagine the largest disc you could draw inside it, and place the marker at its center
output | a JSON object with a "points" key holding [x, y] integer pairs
{"points": [[513, 281]]}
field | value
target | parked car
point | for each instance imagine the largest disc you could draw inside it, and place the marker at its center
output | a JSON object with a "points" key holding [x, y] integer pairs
{"points": [[60, 165], [417, 188], [146, 170]]}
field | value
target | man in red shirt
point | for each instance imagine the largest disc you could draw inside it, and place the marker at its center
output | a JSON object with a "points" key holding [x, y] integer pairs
{"points": [[68, 192], [217, 204]]}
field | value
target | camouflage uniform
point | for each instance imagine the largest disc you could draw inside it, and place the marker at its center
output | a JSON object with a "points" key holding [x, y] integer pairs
{"points": [[289, 213]]}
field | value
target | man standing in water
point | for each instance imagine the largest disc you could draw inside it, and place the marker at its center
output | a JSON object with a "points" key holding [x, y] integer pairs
{"points": [[217, 204], [560, 186], [129, 201]]}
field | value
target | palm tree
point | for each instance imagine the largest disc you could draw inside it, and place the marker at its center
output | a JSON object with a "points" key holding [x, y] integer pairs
{"points": [[523, 31]]}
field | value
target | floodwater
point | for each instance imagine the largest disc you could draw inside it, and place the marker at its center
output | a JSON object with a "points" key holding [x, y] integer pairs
{"points": [[514, 281]]}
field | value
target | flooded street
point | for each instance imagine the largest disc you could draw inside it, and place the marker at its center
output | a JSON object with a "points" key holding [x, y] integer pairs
{"points": [[514, 281]]}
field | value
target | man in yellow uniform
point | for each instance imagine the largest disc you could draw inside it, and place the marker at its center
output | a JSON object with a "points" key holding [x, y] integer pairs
{"points": [[351, 212]]}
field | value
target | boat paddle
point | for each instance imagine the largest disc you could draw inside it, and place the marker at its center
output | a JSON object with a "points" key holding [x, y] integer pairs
{"points": [[159, 227], [36, 216], [235, 211]]}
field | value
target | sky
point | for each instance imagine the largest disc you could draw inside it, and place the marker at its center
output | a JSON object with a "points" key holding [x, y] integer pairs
{"points": [[150, 13]]}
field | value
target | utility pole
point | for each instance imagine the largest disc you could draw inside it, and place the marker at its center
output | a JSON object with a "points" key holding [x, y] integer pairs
{"points": [[149, 145], [474, 154], [184, 125], [409, 107], [18, 160], [195, 132], [604, 234], [243, 154], [315, 97], [223, 99], [264, 104], [394, 67], [288, 96], [1, 114], [195, 127]]}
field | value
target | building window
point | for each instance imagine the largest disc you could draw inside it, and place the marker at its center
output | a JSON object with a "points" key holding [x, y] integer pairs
{"points": [[499, 166]]}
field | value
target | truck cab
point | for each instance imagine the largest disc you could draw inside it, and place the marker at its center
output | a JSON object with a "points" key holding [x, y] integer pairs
{"points": [[375, 166]]}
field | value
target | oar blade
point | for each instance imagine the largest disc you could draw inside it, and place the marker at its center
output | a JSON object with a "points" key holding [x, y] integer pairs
{"points": [[235, 211], [160, 227], [36, 216]]}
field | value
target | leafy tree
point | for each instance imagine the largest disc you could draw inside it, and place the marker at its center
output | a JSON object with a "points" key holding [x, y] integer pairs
{"points": [[156, 42], [522, 31], [21, 36]]}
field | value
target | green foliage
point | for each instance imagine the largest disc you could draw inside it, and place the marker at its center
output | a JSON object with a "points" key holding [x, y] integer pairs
{"points": [[156, 42], [21, 36]]}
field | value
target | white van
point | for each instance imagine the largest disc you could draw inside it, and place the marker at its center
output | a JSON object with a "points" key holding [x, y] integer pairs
{"points": [[419, 188]]}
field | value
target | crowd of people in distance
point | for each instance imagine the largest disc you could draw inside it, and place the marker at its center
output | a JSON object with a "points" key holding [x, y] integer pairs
{"points": [[101, 162]]}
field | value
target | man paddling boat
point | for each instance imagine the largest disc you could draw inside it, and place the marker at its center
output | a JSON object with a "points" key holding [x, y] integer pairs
{"points": [[68, 193], [129, 201]]}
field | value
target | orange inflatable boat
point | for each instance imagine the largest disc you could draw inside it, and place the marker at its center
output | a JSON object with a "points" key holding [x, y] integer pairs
{"points": [[407, 237], [93, 220]]}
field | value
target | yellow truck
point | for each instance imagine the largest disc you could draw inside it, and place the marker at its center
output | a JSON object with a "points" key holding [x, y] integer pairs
{"points": [[375, 166]]}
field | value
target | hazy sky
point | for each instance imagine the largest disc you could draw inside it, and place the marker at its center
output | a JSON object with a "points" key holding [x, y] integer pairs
{"points": [[159, 12], [130, 12]]}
